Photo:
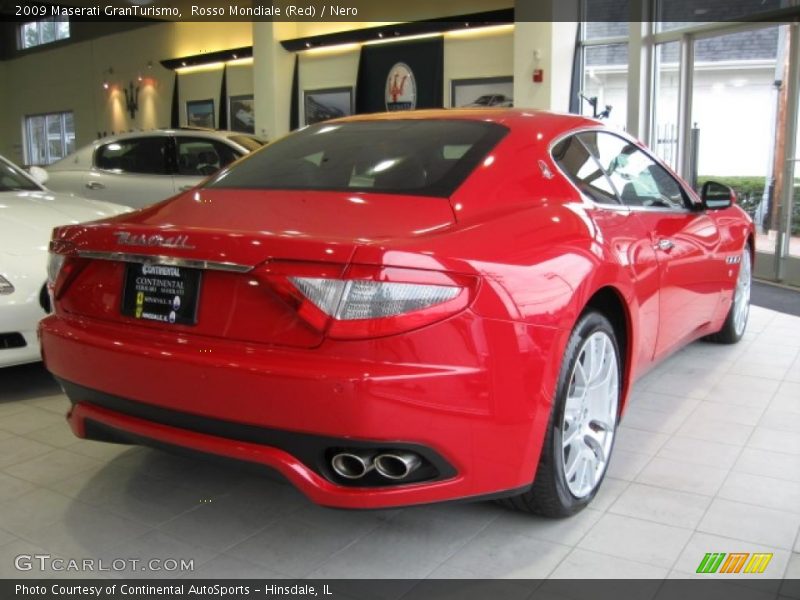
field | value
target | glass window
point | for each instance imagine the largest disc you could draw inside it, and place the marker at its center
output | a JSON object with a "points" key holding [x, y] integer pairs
{"points": [[139, 155], [605, 83], [392, 156], [734, 82], [49, 137], [55, 141], [794, 242], [681, 13], [605, 18], [202, 157], [639, 180], [44, 31], [579, 165], [12, 179], [665, 99]]}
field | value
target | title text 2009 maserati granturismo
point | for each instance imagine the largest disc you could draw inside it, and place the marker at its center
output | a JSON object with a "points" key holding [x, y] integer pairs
{"points": [[400, 309]]}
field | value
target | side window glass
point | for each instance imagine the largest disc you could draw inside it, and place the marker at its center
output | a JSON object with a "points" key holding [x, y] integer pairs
{"points": [[139, 155], [198, 157], [639, 180], [581, 167]]}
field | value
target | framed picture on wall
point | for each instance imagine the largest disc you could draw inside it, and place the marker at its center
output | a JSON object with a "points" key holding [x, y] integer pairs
{"points": [[200, 113], [241, 113], [484, 92], [330, 103]]}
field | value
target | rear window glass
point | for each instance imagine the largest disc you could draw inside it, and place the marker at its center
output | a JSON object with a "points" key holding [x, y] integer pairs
{"points": [[402, 156]]}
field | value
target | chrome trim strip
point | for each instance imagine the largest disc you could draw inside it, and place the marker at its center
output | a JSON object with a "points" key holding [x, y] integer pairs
{"points": [[172, 261], [664, 209]]}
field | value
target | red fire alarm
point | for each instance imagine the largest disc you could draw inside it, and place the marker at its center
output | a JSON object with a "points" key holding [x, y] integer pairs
{"points": [[538, 75]]}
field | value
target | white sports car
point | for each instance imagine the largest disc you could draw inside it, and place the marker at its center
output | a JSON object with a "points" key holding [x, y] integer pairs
{"points": [[28, 213], [140, 168]]}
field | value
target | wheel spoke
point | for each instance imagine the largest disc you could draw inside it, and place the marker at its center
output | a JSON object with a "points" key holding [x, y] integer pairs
{"points": [[571, 461], [580, 373], [595, 440], [603, 378], [590, 472], [570, 433], [598, 349], [581, 474]]}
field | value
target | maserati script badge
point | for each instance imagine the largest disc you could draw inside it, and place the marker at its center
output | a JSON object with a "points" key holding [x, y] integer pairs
{"points": [[125, 238]]}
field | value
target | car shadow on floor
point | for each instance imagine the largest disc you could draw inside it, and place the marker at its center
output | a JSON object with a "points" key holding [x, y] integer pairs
{"points": [[25, 382]]}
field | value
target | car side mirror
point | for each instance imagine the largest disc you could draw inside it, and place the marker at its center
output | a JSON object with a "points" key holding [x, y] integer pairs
{"points": [[717, 196], [39, 175]]}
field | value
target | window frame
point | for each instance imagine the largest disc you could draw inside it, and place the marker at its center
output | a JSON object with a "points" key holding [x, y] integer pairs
{"points": [[179, 138], [27, 137], [691, 204], [493, 134], [619, 204], [39, 42], [688, 202], [169, 159]]}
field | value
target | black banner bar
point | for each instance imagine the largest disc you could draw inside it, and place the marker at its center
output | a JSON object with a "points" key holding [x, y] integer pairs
{"points": [[742, 587], [382, 11]]}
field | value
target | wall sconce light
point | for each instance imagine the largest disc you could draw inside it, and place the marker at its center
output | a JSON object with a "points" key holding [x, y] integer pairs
{"points": [[106, 76]]}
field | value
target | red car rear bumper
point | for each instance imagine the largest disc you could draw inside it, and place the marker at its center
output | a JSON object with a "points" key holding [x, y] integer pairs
{"points": [[481, 414]]}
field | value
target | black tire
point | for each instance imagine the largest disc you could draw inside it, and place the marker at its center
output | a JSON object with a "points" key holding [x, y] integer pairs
{"points": [[549, 495], [729, 334]]}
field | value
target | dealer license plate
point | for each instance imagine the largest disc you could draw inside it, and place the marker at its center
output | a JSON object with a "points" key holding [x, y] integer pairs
{"points": [[162, 293]]}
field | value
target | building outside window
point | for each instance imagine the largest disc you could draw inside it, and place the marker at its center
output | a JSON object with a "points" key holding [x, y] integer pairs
{"points": [[49, 138], [45, 31], [712, 103], [604, 80]]}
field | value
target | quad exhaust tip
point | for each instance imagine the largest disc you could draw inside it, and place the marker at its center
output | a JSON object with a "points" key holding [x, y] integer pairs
{"points": [[397, 465], [351, 465], [390, 465]]}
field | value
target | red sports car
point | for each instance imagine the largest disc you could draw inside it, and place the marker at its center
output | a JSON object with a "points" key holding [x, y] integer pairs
{"points": [[399, 309]]}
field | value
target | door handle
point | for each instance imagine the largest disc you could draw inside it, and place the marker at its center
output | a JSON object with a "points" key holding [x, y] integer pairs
{"points": [[95, 185], [664, 245]]}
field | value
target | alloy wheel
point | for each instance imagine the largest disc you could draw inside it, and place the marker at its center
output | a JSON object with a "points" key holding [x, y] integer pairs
{"points": [[741, 300], [590, 414]]}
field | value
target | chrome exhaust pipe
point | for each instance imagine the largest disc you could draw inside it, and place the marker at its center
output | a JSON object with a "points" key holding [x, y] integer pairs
{"points": [[397, 465], [351, 465]]}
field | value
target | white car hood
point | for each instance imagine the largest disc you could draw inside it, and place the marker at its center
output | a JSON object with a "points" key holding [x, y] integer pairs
{"points": [[27, 219]]}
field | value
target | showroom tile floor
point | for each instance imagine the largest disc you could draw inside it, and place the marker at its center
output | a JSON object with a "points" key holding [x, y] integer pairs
{"points": [[707, 459]]}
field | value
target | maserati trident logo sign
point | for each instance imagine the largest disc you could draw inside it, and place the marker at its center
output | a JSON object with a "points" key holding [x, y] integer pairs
{"points": [[125, 238], [401, 88]]}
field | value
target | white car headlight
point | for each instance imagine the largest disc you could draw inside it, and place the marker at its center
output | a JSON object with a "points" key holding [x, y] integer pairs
{"points": [[5, 286]]}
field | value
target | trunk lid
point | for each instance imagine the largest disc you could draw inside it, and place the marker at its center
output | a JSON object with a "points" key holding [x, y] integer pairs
{"points": [[243, 228]]}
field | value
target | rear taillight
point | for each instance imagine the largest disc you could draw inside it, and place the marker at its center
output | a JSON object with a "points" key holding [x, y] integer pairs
{"points": [[63, 265], [370, 302], [54, 264]]}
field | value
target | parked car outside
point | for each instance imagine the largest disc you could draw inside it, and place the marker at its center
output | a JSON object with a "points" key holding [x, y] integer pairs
{"points": [[138, 169], [28, 214], [402, 308]]}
